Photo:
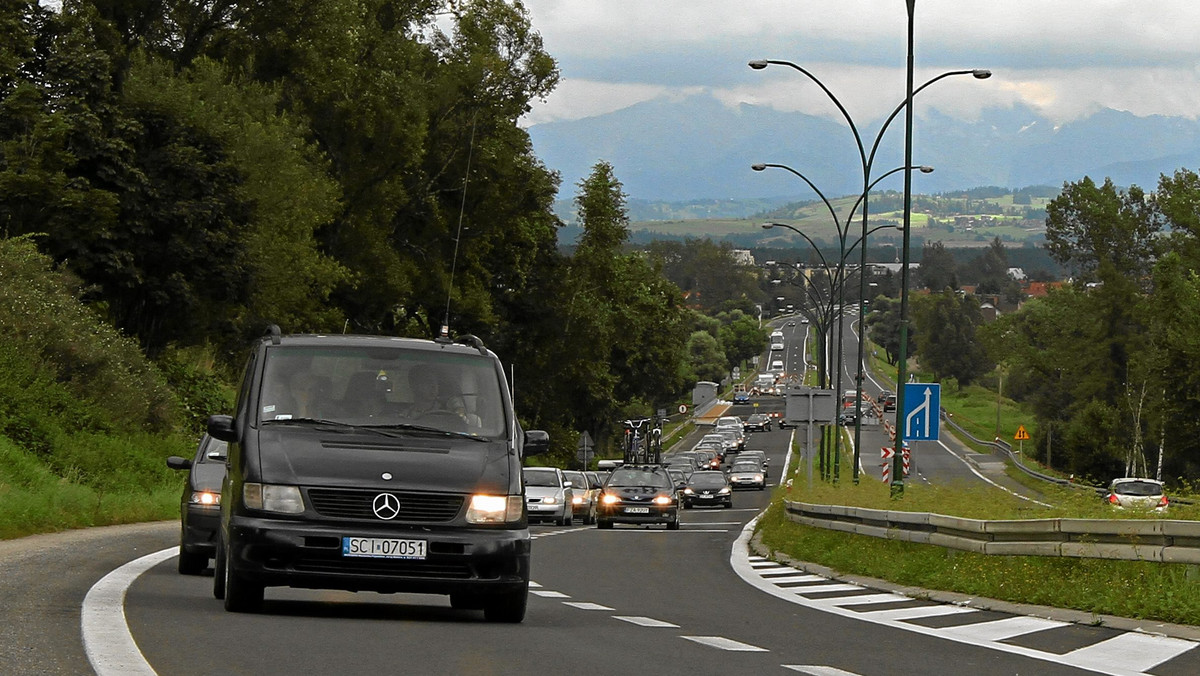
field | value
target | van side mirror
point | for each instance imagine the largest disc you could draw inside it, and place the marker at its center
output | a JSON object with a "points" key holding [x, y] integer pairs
{"points": [[222, 427], [536, 442]]}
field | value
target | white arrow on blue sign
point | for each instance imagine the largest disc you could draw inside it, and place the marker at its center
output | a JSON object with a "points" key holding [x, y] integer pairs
{"points": [[922, 405]]}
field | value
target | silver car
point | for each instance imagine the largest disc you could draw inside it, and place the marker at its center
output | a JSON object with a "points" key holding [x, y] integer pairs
{"points": [[548, 495], [747, 474]]}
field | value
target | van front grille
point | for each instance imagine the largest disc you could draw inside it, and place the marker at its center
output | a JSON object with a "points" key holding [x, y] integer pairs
{"points": [[350, 503]]}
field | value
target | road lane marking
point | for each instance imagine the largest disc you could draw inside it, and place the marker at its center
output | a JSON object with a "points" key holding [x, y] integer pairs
{"points": [[1130, 651], [546, 594], [722, 643], [816, 670], [644, 621], [1134, 651], [999, 630], [584, 605], [106, 638], [868, 599]]}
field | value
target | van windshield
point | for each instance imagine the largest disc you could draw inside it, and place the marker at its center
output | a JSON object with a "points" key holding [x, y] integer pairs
{"points": [[383, 386]]}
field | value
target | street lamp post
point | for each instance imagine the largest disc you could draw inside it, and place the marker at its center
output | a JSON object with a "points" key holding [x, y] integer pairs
{"points": [[867, 162]]}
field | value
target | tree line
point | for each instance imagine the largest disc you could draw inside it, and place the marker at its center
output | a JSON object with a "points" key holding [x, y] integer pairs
{"points": [[204, 169]]}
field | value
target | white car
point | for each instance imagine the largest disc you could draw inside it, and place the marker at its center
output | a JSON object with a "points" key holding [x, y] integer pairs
{"points": [[777, 347], [747, 474], [548, 495], [1139, 494]]}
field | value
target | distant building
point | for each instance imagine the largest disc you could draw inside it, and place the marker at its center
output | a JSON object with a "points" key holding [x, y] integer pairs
{"points": [[743, 257]]}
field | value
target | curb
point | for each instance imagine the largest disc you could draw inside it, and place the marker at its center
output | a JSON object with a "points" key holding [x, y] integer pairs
{"points": [[1152, 627]]}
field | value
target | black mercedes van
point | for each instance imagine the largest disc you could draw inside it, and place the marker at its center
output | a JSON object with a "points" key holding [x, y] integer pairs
{"points": [[370, 463]]}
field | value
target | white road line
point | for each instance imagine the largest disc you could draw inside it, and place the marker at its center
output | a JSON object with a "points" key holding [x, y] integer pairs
{"points": [[722, 643], [549, 594], [816, 670], [795, 576], [106, 638], [583, 605], [534, 585], [998, 630], [976, 473], [918, 612], [644, 621], [815, 588], [869, 598], [1135, 652]]}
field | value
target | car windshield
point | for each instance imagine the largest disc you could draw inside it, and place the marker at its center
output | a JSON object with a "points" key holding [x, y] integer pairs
{"points": [[577, 480], [630, 477], [1137, 488], [383, 386], [540, 477], [708, 480], [745, 467]]}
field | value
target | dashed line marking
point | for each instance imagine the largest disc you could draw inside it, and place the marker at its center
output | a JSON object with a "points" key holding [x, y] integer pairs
{"points": [[1135, 652], [547, 594], [722, 643], [645, 621], [584, 605], [817, 670]]}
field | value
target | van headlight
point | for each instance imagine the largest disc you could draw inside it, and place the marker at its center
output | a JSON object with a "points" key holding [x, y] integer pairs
{"points": [[205, 499], [486, 509], [272, 498]]}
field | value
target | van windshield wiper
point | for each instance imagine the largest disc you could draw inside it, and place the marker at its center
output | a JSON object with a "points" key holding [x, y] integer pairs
{"points": [[323, 422], [409, 427]]}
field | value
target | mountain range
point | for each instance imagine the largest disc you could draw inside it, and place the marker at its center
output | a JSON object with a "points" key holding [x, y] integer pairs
{"points": [[698, 148]]}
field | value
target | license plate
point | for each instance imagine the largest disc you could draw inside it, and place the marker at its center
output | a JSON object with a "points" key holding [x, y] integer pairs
{"points": [[637, 510], [383, 548], [706, 497]]}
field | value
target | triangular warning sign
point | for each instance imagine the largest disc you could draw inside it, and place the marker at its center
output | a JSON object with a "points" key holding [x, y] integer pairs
{"points": [[1021, 434]]}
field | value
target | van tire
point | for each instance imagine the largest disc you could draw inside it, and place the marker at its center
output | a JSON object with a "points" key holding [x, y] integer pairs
{"points": [[241, 595]]}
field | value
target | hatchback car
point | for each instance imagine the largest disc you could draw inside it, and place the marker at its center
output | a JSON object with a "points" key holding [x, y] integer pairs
{"points": [[747, 474], [200, 508], [639, 494], [1137, 494], [707, 488], [548, 495], [583, 496], [757, 456]]}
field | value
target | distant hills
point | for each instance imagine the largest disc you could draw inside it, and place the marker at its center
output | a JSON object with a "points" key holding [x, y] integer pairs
{"points": [[698, 151]]}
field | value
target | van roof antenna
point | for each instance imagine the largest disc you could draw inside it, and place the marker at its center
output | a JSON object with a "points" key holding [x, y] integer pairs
{"points": [[458, 236]]}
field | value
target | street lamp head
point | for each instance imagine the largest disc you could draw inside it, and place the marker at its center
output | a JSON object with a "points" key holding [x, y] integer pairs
{"points": [[758, 64], [981, 73], [926, 169], [767, 226], [758, 167]]}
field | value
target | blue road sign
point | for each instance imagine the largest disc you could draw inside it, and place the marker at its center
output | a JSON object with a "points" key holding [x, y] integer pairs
{"points": [[922, 407]]}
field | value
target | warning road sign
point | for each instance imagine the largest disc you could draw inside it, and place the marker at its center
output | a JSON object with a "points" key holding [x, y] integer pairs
{"points": [[1021, 434]]}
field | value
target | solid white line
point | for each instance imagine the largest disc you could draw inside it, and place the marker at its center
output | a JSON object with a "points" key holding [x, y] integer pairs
{"points": [[976, 473], [725, 644], [644, 621], [1009, 627], [1135, 652], [106, 638], [584, 605]]}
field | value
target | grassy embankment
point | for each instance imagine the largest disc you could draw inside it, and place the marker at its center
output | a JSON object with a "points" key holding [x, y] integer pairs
{"points": [[1139, 589], [86, 421]]}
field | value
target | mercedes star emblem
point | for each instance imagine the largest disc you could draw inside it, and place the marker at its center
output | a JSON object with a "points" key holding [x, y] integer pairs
{"points": [[386, 506]]}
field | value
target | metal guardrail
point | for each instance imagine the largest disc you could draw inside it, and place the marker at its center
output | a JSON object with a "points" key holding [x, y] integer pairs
{"points": [[1125, 539], [1006, 448]]}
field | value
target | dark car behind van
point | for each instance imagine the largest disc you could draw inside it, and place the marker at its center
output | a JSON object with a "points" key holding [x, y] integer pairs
{"points": [[368, 463]]}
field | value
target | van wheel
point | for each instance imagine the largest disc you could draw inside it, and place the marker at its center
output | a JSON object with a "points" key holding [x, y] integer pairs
{"points": [[191, 563], [506, 607], [241, 595]]}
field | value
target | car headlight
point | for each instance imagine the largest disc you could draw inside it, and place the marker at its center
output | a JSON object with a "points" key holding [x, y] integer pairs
{"points": [[551, 500], [609, 499], [485, 509], [577, 500], [205, 499], [688, 491], [272, 498], [758, 477], [724, 491], [663, 500]]}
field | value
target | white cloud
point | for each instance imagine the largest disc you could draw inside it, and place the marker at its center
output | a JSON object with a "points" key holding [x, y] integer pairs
{"points": [[1064, 58]]}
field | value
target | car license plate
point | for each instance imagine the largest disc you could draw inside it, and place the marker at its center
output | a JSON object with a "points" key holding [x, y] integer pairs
{"points": [[704, 496], [637, 510], [383, 548]]}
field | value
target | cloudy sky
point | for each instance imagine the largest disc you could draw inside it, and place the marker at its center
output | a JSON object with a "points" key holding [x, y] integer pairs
{"points": [[1066, 58]]}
